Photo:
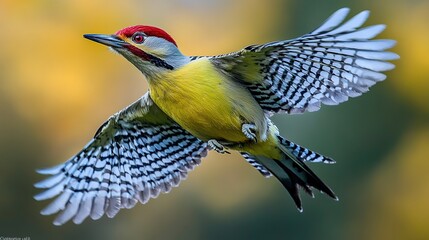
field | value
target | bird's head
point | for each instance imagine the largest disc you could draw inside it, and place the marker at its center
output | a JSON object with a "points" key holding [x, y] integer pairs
{"points": [[150, 49]]}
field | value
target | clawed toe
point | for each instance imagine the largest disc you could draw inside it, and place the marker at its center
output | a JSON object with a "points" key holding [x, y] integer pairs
{"points": [[215, 145], [250, 131]]}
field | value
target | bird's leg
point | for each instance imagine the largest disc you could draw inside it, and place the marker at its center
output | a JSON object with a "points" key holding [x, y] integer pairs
{"points": [[249, 130], [218, 147]]}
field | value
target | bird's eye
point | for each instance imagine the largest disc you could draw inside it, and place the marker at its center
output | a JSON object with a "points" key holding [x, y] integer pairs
{"points": [[138, 37]]}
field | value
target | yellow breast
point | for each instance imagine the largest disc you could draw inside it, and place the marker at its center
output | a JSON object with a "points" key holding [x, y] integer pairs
{"points": [[204, 101]]}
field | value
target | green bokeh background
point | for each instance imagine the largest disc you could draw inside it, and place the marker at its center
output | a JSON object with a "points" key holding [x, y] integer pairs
{"points": [[56, 88]]}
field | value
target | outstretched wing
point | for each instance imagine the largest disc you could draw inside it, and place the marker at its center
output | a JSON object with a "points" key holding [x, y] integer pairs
{"points": [[332, 63], [136, 155]]}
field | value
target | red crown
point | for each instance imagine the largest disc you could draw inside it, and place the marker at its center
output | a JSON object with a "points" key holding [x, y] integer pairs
{"points": [[148, 30]]}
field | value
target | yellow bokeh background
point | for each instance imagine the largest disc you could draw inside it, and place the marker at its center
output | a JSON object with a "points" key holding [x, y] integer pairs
{"points": [[56, 88]]}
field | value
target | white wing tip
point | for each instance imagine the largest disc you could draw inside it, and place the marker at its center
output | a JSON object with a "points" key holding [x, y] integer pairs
{"points": [[393, 56], [377, 29], [363, 15], [41, 196], [51, 170], [342, 11], [57, 223], [49, 182], [365, 12], [389, 43], [333, 20]]}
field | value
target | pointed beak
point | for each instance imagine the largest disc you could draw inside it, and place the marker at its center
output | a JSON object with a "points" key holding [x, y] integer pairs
{"points": [[108, 40]]}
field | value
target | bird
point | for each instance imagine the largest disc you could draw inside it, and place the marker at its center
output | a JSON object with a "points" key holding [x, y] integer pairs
{"points": [[223, 103]]}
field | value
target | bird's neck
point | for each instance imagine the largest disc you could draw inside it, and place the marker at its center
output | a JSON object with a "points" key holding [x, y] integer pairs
{"points": [[158, 68]]}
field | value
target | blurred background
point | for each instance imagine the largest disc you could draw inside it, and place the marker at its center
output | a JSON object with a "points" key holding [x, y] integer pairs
{"points": [[56, 88]]}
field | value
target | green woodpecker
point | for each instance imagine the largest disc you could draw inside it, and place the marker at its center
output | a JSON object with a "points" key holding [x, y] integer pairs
{"points": [[195, 104]]}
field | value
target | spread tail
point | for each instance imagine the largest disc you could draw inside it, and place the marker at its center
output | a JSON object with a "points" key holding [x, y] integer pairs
{"points": [[292, 172]]}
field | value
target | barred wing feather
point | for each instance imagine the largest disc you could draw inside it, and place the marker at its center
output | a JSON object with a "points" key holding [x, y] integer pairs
{"points": [[126, 162], [334, 62]]}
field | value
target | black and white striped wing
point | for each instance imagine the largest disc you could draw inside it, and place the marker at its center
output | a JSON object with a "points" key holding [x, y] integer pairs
{"points": [[126, 162], [336, 61]]}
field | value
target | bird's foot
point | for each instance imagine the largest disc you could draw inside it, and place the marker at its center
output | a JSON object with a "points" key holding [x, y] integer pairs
{"points": [[218, 147], [249, 131]]}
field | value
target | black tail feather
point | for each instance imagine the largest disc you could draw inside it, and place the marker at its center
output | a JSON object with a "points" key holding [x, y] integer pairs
{"points": [[296, 180], [291, 186], [292, 172], [303, 172]]}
